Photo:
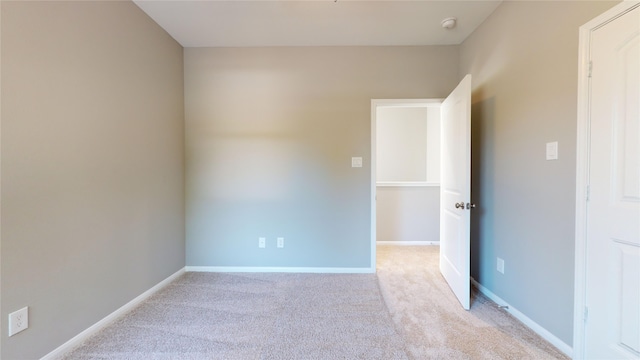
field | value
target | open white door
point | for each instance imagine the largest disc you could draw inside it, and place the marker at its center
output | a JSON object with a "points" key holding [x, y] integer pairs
{"points": [[455, 191]]}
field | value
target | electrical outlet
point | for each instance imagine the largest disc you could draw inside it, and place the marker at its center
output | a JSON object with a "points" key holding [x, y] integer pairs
{"points": [[500, 266], [262, 243], [552, 150], [280, 242], [18, 321]]}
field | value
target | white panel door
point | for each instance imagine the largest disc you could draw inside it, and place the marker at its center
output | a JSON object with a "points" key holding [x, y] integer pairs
{"points": [[455, 190], [613, 209]]}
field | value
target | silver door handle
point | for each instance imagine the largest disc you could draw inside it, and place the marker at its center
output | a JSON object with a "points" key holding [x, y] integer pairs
{"points": [[460, 205], [470, 206]]}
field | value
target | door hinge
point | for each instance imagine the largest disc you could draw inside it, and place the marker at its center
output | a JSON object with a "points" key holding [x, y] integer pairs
{"points": [[588, 192], [590, 68], [586, 314]]}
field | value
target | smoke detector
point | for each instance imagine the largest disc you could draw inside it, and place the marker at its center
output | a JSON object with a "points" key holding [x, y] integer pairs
{"points": [[449, 23]]}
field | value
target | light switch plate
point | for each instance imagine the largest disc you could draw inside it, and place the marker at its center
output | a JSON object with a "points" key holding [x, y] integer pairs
{"points": [[552, 150], [500, 265], [356, 162]]}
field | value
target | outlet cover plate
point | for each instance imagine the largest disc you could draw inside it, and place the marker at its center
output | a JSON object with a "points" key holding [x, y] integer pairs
{"points": [[280, 242], [262, 243], [500, 266], [552, 150], [18, 321]]}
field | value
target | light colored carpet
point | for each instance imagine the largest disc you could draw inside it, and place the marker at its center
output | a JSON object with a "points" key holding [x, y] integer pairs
{"points": [[318, 316], [434, 324], [255, 316]]}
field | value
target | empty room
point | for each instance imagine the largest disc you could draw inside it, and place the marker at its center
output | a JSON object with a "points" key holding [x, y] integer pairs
{"points": [[204, 180]]}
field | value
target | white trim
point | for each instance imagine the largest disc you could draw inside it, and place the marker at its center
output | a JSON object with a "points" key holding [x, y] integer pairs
{"points": [[544, 333], [406, 183], [409, 243], [256, 269], [582, 173], [109, 319], [582, 169], [374, 197], [0, 164]]}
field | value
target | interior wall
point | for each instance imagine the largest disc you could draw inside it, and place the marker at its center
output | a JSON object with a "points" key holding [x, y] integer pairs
{"points": [[92, 165], [524, 59], [401, 144], [270, 133], [408, 213]]}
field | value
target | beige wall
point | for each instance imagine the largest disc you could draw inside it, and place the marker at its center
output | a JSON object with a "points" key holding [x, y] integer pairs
{"points": [[524, 59], [270, 136], [408, 213], [401, 144], [92, 165]]}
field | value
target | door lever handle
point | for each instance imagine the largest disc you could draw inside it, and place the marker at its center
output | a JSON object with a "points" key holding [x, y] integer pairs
{"points": [[460, 205]]}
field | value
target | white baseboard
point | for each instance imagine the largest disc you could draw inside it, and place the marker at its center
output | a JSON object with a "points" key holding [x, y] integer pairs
{"points": [[544, 333], [252, 269], [408, 243], [80, 338]]}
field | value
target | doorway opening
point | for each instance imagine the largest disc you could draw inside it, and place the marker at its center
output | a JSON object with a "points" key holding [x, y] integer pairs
{"points": [[405, 171], [451, 119]]}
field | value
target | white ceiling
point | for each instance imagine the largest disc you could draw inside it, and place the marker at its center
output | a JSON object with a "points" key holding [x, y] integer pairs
{"points": [[239, 23]]}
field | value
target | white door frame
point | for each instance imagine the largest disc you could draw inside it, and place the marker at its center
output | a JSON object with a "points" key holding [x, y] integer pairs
{"points": [[582, 170], [0, 163], [375, 103]]}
